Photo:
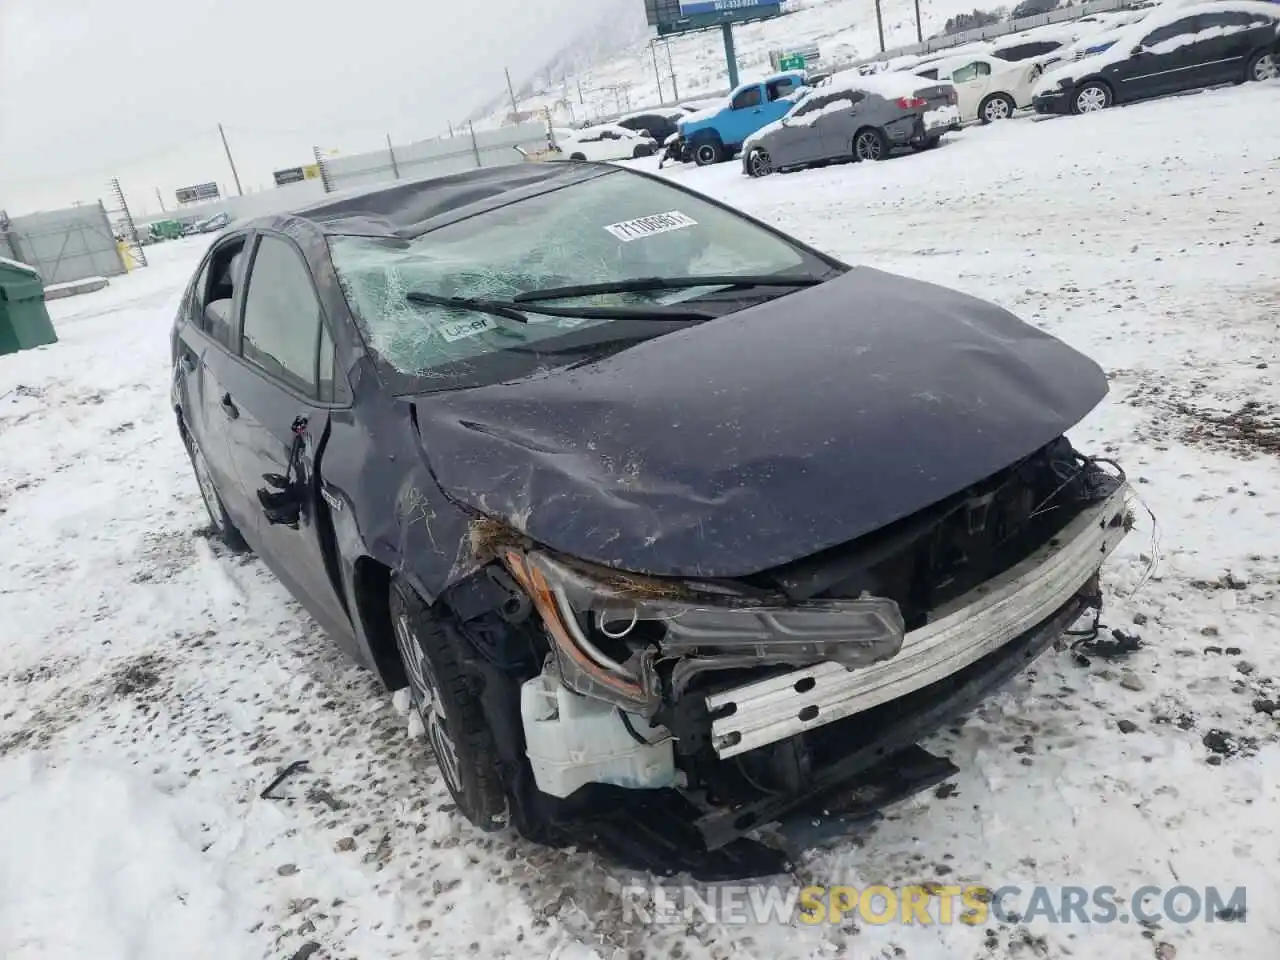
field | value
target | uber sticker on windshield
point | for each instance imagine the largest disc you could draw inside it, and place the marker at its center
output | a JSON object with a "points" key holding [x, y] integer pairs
{"points": [[460, 329], [655, 223]]}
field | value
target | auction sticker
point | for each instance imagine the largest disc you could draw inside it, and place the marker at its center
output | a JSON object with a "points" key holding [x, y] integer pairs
{"points": [[649, 226], [461, 329]]}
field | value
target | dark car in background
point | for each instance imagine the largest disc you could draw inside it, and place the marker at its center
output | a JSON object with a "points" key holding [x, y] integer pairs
{"points": [[672, 524], [854, 117], [1169, 51], [660, 123]]}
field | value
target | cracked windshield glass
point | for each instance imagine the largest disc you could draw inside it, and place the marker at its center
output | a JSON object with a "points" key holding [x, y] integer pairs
{"points": [[610, 228]]}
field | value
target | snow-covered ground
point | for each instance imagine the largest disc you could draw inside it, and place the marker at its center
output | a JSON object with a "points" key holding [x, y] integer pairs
{"points": [[151, 686]]}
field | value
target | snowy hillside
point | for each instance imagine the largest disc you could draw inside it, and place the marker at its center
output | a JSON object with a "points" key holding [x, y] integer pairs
{"points": [[627, 79]]}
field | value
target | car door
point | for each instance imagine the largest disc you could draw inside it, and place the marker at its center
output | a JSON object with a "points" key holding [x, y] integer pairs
{"points": [[204, 352], [278, 398], [972, 82], [1224, 43], [745, 116], [1160, 63], [839, 123]]}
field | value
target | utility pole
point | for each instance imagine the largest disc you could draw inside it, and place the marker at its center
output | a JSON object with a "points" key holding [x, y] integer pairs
{"points": [[675, 90], [450, 129], [657, 74], [163, 209], [225, 146], [880, 25], [581, 99], [515, 109], [919, 25]]}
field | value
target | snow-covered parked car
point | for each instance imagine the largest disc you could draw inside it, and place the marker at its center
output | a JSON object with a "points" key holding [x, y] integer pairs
{"points": [[854, 116], [988, 88], [1171, 50], [605, 141], [671, 524]]}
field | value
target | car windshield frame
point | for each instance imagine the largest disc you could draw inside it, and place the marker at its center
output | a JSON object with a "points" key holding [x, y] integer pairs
{"points": [[564, 343]]}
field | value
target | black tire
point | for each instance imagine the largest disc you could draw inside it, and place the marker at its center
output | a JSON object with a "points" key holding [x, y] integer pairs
{"points": [[996, 106], [641, 151], [220, 522], [1263, 65], [576, 156], [758, 163], [457, 730], [870, 143], [708, 152], [928, 143], [1091, 97]]}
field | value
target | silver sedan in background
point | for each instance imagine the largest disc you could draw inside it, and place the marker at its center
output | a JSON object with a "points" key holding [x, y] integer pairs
{"points": [[854, 117]]}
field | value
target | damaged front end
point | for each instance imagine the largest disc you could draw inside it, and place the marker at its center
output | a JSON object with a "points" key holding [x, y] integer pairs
{"points": [[753, 698]]}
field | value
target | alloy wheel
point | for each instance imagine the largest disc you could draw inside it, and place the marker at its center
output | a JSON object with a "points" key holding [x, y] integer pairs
{"points": [[996, 109], [1091, 100], [868, 146], [761, 165], [706, 154], [1266, 67], [426, 695]]}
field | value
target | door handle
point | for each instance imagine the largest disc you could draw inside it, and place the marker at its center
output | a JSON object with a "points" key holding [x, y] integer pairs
{"points": [[229, 406]]}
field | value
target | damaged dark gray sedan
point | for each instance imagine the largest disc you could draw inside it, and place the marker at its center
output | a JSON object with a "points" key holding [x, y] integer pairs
{"points": [[674, 526]]}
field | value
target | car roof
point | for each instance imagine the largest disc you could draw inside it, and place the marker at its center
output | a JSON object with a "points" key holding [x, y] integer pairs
{"points": [[409, 208]]}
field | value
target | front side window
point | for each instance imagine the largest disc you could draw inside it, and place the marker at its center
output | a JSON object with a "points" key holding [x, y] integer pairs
{"points": [[747, 98], [282, 316], [780, 88], [1179, 28], [971, 72], [614, 227]]}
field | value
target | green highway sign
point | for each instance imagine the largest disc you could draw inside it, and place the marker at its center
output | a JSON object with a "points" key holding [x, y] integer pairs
{"points": [[793, 62]]}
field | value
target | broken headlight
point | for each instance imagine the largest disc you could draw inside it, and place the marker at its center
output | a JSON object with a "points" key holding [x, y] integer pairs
{"points": [[613, 626]]}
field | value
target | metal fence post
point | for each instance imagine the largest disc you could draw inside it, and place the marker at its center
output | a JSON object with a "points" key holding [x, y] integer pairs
{"points": [[475, 147], [391, 152], [324, 170]]}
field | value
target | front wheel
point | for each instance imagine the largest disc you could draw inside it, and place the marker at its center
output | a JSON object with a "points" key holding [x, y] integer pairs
{"points": [[450, 710], [1264, 66], [758, 163], [223, 528], [998, 106], [1091, 98], [708, 152], [870, 144]]}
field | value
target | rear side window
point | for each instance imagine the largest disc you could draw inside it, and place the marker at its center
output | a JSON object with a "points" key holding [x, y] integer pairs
{"points": [[1022, 51], [1232, 20], [282, 317], [747, 98], [931, 74]]}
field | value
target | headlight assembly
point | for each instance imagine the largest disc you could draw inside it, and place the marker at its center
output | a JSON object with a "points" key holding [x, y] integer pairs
{"points": [[611, 628]]}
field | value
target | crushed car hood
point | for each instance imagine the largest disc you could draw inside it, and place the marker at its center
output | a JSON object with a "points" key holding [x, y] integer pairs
{"points": [[763, 436]]}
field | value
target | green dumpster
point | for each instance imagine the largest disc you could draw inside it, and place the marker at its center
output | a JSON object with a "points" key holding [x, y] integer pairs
{"points": [[24, 319]]}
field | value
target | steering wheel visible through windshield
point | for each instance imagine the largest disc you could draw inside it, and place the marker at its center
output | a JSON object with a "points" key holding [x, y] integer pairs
{"points": [[612, 228]]}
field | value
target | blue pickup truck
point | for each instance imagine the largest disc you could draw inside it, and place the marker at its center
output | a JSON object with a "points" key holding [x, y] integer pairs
{"points": [[716, 134]]}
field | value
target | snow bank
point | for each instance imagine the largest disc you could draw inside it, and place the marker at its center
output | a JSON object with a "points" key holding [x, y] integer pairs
{"points": [[95, 862]]}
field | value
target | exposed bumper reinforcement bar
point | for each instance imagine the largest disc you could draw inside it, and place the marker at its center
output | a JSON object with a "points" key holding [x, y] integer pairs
{"points": [[968, 629], [869, 771]]}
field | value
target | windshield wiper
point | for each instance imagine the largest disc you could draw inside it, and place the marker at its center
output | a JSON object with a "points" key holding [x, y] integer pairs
{"points": [[511, 309], [643, 284]]}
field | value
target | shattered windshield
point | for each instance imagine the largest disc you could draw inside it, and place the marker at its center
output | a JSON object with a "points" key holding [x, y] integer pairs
{"points": [[615, 227]]}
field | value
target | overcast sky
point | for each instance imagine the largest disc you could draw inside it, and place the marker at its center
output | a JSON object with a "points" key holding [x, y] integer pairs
{"points": [[91, 89]]}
